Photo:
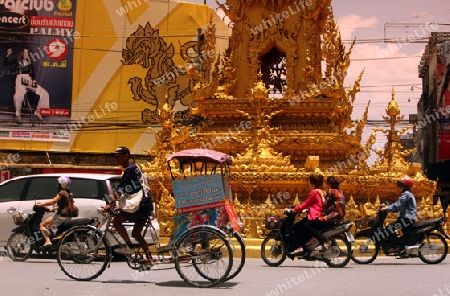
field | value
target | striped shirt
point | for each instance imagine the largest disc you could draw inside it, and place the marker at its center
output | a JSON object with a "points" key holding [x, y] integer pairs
{"points": [[334, 207]]}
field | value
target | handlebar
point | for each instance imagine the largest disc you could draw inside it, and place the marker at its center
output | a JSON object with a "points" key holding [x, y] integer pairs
{"points": [[37, 208], [109, 211]]}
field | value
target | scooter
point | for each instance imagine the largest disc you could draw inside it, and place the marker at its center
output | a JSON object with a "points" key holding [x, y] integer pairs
{"points": [[426, 240], [27, 237], [274, 248]]}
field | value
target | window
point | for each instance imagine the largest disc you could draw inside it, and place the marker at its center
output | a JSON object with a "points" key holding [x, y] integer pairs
{"points": [[12, 191], [114, 183], [85, 188], [42, 188]]}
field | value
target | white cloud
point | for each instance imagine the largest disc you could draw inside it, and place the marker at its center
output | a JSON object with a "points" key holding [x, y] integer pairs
{"points": [[384, 64], [347, 24]]}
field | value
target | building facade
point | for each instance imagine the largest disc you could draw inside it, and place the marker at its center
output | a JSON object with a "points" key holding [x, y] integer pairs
{"points": [[431, 126]]}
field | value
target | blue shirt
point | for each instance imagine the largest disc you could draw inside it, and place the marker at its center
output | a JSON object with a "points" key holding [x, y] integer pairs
{"points": [[405, 205]]}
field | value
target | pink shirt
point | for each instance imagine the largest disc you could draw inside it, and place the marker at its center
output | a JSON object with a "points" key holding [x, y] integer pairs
{"points": [[314, 203]]}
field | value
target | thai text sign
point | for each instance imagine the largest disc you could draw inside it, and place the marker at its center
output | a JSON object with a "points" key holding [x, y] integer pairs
{"points": [[198, 193]]}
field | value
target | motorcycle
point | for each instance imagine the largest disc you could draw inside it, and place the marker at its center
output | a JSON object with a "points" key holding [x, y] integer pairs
{"points": [[274, 248], [426, 240], [27, 236]]}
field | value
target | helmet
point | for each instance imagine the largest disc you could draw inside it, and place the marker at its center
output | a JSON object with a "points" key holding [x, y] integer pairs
{"points": [[406, 181], [64, 182]]}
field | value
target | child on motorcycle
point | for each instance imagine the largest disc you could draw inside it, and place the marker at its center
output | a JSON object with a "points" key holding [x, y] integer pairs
{"points": [[333, 212], [313, 203]]}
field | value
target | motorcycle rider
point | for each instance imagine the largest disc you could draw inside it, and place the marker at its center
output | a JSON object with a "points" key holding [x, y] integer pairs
{"points": [[314, 203], [333, 212], [407, 210], [64, 201]]}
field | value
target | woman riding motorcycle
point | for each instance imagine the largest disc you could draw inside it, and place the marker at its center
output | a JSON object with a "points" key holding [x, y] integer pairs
{"points": [[314, 203], [333, 212], [64, 201]]}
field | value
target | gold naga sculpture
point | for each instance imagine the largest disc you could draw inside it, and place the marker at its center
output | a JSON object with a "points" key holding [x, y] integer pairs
{"points": [[267, 102]]}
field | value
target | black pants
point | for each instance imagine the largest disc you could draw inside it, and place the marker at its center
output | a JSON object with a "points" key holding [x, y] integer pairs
{"points": [[297, 235], [315, 227], [403, 224]]}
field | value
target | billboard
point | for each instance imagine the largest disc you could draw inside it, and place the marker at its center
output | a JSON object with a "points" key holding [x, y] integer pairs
{"points": [[36, 47], [443, 93], [104, 95]]}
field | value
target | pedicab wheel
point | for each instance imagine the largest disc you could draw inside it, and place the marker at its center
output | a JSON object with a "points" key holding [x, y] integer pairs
{"points": [[433, 249], [238, 255], [203, 256], [365, 250], [18, 247], [341, 247], [82, 254], [133, 260], [272, 251]]}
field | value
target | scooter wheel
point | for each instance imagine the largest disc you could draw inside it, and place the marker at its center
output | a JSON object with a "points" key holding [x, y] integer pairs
{"points": [[433, 249], [342, 248], [18, 247], [272, 251], [365, 251]]}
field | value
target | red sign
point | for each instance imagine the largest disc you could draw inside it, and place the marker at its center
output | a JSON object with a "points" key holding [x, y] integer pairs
{"points": [[55, 112], [4, 175], [51, 22], [56, 49]]}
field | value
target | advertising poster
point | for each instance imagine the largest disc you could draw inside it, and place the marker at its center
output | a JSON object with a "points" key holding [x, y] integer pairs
{"points": [[198, 193], [199, 201], [36, 56], [186, 221], [443, 93]]}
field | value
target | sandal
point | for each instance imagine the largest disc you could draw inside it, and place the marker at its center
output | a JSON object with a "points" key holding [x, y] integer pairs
{"points": [[320, 248], [46, 246], [297, 252]]}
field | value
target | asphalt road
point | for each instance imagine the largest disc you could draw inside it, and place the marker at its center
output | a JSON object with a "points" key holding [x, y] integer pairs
{"points": [[386, 276]]}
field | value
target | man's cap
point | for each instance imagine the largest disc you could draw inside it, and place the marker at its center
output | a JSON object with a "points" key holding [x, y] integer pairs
{"points": [[122, 150]]}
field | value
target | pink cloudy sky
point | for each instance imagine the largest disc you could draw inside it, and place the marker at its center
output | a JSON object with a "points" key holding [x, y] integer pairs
{"points": [[386, 65]]}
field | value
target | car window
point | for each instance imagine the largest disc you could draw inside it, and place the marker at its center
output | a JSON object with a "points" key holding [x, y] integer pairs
{"points": [[115, 182], [12, 191], [85, 188], [42, 188]]}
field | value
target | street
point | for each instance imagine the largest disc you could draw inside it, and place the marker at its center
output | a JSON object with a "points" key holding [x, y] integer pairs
{"points": [[386, 276]]}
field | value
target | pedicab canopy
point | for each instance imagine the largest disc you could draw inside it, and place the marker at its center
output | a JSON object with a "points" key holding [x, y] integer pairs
{"points": [[189, 155], [202, 197]]}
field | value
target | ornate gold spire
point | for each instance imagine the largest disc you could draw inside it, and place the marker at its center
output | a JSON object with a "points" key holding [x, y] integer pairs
{"points": [[392, 158], [259, 155]]}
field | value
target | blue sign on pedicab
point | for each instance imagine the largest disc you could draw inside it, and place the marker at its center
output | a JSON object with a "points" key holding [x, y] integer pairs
{"points": [[198, 193]]}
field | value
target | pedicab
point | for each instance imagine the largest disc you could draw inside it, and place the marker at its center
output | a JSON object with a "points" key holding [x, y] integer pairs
{"points": [[202, 246]]}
